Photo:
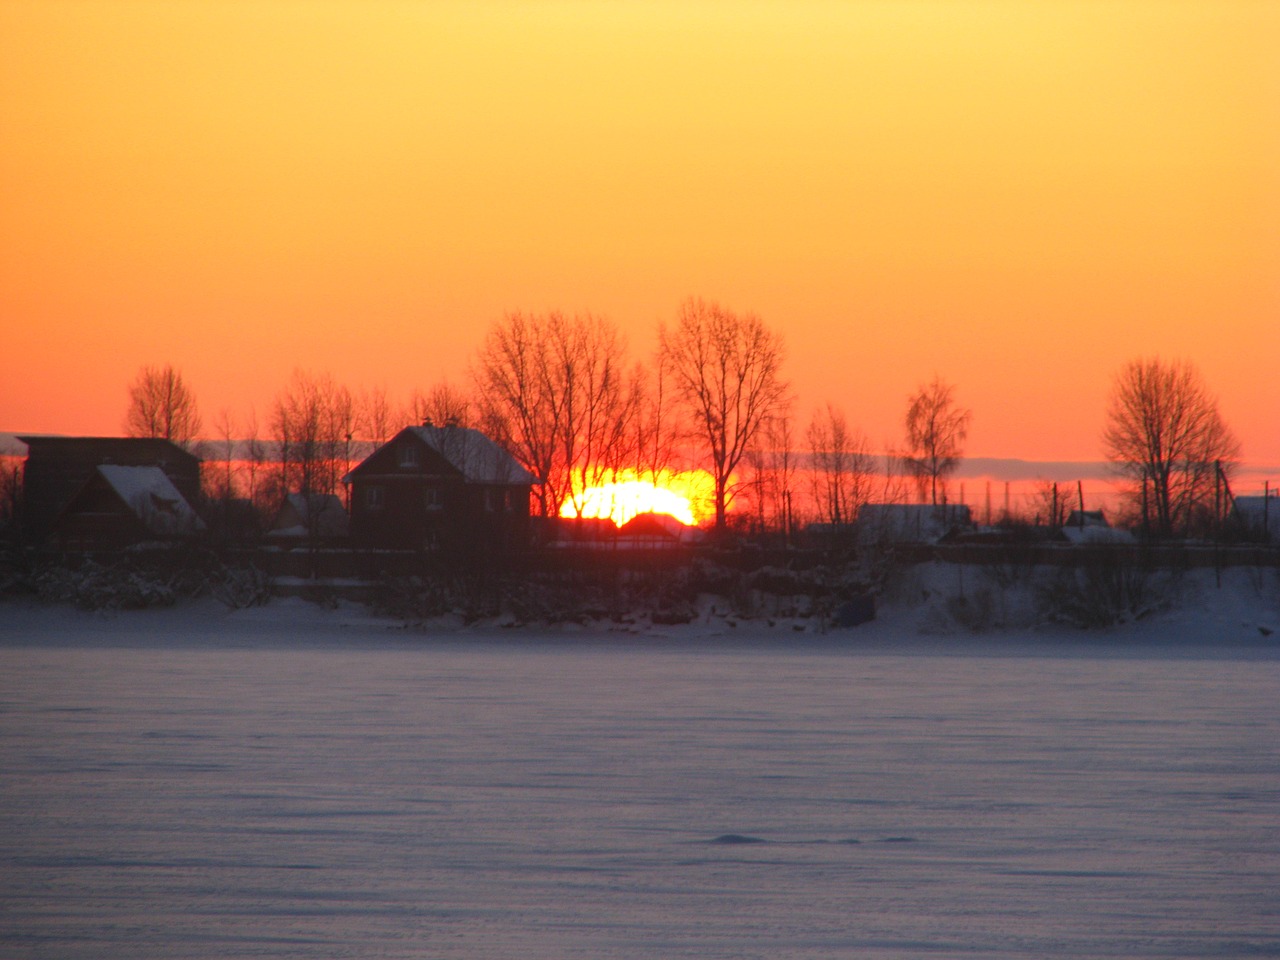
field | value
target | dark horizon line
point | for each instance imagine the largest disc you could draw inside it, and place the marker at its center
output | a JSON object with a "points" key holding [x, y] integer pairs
{"points": [[1011, 469]]}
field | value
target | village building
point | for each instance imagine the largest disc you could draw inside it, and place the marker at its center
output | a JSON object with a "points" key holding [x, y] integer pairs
{"points": [[910, 523], [310, 516], [1258, 518], [58, 468], [122, 506], [447, 489]]}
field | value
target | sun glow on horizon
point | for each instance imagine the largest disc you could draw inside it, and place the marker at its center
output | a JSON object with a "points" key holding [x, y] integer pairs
{"points": [[684, 495]]}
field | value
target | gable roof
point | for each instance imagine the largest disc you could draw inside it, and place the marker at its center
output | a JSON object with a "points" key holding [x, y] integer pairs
{"points": [[1260, 514], [151, 496], [473, 455], [478, 458], [910, 522], [301, 513], [138, 450]]}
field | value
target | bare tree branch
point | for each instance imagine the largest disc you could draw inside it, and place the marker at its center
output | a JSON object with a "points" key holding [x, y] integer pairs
{"points": [[727, 369], [1164, 433], [162, 405], [936, 431]]}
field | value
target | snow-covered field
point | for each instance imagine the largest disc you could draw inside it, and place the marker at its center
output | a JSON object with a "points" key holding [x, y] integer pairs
{"points": [[288, 781]]}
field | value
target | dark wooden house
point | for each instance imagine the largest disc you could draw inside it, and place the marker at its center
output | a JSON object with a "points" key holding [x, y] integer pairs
{"points": [[58, 468], [447, 489]]}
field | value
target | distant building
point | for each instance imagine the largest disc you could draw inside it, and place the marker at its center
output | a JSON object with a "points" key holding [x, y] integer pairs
{"points": [[1258, 518], [1089, 527], [655, 531], [1087, 518], [910, 522], [441, 488], [120, 506], [310, 516], [58, 468]]}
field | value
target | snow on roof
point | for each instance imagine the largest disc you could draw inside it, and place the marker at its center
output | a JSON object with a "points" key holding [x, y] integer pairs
{"points": [[479, 458], [152, 497], [1260, 514], [1096, 534], [302, 514], [910, 522]]}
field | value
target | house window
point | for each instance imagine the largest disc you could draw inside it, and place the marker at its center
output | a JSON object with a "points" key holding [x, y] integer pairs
{"points": [[408, 455], [433, 499], [374, 497], [509, 501], [491, 500]]}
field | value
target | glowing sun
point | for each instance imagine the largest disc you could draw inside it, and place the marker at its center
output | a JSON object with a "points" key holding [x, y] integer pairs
{"points": [[681, 495]]}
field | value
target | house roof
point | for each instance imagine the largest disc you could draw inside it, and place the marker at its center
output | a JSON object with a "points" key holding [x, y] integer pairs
{"points": [[657, 525], [910, 522], [152, 498], [1259, 512], [478, 458], [149, 448], [303, 513]]}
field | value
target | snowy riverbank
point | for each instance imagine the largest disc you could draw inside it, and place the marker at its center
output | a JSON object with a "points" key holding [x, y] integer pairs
{"points": [[931, 606]]}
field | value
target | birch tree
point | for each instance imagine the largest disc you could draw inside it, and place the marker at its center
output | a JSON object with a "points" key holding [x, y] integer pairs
{"points": [[936, 431]]}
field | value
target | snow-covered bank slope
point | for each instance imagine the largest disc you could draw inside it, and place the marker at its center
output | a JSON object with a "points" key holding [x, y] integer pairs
{"points": [[931, 605]]}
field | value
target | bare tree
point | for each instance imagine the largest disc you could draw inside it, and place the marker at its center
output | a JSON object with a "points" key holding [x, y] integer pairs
{"points": [[728, 371], [773, 465], [376, 419], [656, 428], [554, 390], [1051, 503], [255, 458], [517, 407], [1165, 434], [600, 401], [936, 431], [312, 420], [224, 489], [842, 467], [162, 405], [441, 405]]}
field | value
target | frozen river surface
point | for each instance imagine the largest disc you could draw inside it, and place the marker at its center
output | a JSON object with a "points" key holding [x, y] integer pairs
{"points": [[363, 797]]}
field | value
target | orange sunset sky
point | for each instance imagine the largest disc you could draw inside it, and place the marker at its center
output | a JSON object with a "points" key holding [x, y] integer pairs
{"points": [[1019, 196]]}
